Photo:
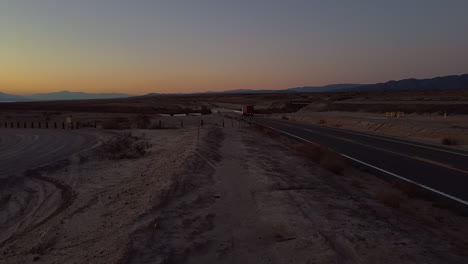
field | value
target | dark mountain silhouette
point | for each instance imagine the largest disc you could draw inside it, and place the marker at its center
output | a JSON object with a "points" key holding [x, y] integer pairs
{"points": [[66, 95], [11, 98], [326, 88], [453, 82], [57, 96]]}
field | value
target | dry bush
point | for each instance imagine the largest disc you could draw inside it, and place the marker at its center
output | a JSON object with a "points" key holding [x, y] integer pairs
{"points": [[117, 123], [390, 198], [411, 190], [155, 125], [356, 183], [450, 141], [333, 162], [125, 146], [268, 132], [328, 159], [322, 122], [143, 121], [205, 110]]}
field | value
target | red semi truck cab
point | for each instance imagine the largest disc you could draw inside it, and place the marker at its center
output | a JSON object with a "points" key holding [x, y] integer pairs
{"points": [[248, 110]]}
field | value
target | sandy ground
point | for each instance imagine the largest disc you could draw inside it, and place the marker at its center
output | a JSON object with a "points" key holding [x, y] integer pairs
{"points": [[430, 128], [234, 196]]}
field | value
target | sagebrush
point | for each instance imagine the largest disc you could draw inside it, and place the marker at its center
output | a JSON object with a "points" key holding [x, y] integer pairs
{"points": [[125, 145]]}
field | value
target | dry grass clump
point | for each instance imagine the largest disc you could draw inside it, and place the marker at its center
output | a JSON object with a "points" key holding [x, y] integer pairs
{"points": [[328, 159], [390, 198], [125, 146], [450, 141], [322, 122], [117, 123], [411, 190]]}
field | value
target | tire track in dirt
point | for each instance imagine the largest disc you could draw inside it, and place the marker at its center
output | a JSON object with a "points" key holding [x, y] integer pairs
{"points": [[30, 199]]}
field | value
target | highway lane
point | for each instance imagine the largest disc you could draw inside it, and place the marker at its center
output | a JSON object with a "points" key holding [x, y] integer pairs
{"points": [[22, 149], [437, 168]]}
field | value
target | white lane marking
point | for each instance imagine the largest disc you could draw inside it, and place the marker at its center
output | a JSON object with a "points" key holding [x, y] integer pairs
{"points": [[408, 180], [382, 170], [387, 139]]}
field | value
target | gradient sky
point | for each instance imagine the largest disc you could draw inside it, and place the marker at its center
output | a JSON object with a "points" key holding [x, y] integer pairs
{"points": [[142, 46]]}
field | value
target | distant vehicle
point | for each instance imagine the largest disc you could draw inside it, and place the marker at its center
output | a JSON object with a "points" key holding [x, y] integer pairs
{"points": [[248, 110]]}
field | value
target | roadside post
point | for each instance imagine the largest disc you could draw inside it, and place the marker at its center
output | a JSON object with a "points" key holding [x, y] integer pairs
{"points": [[160, 125], [181, 123], [24, 124], [39, 125]]}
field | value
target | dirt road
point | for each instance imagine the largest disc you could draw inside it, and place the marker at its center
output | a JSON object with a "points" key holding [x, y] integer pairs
{"points": [[23, 149], [249, 199]]}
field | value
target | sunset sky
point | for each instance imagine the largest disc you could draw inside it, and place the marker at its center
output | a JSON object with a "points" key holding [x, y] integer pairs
{"points": [[142, 46]]}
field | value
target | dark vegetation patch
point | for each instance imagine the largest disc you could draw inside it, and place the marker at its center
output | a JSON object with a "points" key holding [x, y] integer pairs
{"points": [[125, 145], [450, 141]]}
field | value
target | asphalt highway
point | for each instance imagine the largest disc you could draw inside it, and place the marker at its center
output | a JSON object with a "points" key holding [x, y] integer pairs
{"points": [[436, 168], [22, 149]]}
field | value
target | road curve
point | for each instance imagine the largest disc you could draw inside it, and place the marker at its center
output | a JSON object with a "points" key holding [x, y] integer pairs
{"points": [[22, 149], [439, 169]]}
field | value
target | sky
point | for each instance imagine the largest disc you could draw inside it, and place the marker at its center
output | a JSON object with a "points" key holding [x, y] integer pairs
{"points": [[143, 46]]}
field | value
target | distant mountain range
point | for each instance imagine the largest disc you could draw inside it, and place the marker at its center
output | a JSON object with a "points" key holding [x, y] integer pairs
{"points": [[64, 95], [453, 82]]}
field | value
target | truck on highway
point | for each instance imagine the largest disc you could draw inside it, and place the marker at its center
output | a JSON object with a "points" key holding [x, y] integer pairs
{"points": [[248, 110]]}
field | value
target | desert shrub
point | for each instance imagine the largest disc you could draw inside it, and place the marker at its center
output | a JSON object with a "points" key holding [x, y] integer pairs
{"points": [[143, 121], [117, 123], [285, 118], [411, 190], [125, 146], [333, 162], [449, 141], [328, 159], [322, 122], [390, 198], [205, 110]]}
